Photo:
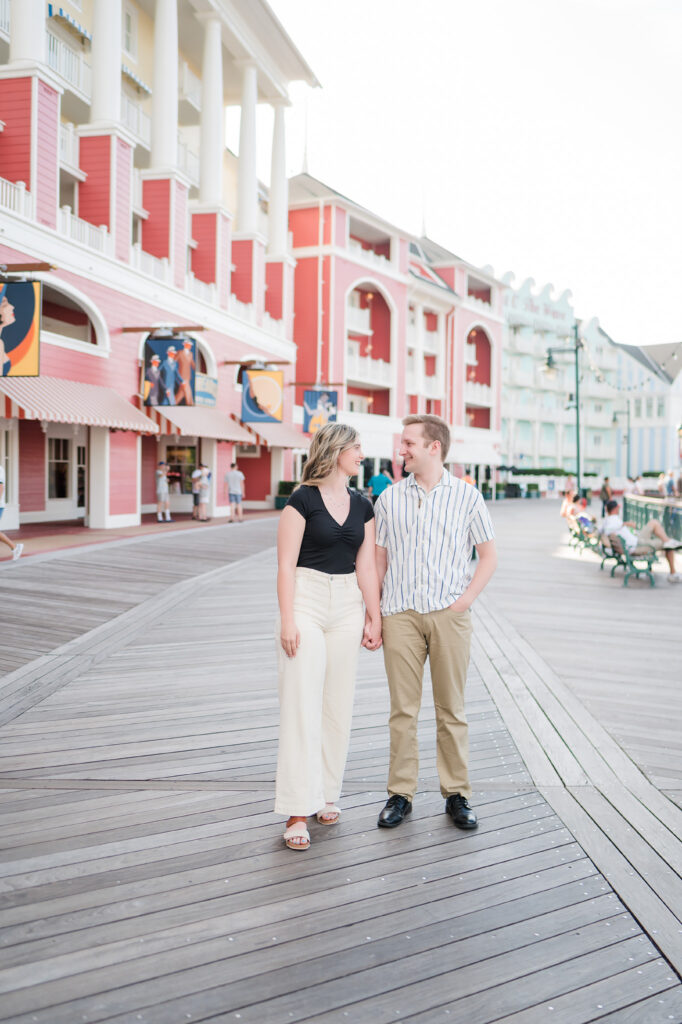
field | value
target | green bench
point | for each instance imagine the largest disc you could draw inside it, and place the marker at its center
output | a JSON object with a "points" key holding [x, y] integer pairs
{"points": [[636, 563]]}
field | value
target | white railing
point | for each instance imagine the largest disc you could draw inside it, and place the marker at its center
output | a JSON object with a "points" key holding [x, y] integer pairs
{"points": [[69, 63], [470, 357], [478, 394], [273, 326], [431, 341], [410, 384], [150, 265], [203, 290], [190, 85], [68, 145], [83, 232], [135, 119], [14, 197], [433, 387], [4, 18], [369, 255], [358, 320], [373, 371], [243, 310], [188, 162]]}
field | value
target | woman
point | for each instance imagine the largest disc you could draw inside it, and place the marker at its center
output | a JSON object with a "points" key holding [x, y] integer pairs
{"points": [[326, 567]]}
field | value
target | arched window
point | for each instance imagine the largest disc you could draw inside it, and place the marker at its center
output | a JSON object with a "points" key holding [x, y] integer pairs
{"points": [[70, 320]]}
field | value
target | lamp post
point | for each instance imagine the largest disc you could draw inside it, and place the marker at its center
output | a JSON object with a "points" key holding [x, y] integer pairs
{"points": [[624, 412], [550, 370]]}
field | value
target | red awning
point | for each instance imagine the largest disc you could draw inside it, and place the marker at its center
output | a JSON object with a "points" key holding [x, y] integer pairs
{"points": [[198, 421], [54, 400], [277, 435]]}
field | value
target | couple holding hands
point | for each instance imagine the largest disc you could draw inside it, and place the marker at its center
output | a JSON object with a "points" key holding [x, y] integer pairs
{"points": [[398, 575]]}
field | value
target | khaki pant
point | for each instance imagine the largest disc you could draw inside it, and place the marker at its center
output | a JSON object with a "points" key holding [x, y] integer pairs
{"points": [[316, 690], [445, 638]]}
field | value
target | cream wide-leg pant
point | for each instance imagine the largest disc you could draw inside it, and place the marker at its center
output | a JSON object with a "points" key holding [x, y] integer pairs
{"points": [[316, 690]]}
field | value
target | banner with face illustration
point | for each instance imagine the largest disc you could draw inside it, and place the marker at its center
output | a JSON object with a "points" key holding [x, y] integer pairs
{"points": [[262, 396], [20, 311], [319, 408]]}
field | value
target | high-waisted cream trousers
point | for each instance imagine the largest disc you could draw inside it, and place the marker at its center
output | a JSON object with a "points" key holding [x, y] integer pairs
{"points": [[316, 690]]}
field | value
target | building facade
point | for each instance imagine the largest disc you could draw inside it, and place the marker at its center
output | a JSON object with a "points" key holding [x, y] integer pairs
{"points": [[649, 409], [113, 169]]}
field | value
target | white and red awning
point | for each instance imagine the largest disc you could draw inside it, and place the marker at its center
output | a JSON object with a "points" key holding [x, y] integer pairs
{"points": [[198, 421], [53, 400], [277, 435]]}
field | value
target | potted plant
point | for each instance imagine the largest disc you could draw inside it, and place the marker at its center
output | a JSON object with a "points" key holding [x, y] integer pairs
{"points": [[533, 491], [284, 489]]}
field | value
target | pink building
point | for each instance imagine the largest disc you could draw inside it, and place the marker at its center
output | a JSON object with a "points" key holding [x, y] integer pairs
{"points": [[113, 168], [396, 325]]}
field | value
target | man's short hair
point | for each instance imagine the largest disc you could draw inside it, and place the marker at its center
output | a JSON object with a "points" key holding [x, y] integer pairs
{"points": [[435, 429], [611, 506], [233, 466]]}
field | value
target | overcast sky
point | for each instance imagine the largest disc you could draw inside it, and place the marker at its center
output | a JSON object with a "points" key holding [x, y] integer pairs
{"points": [[539, 136]]}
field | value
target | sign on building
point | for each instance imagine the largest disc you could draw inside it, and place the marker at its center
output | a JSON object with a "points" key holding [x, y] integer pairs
{"points": [[205, 389], [262, 396], [169, 371], [21, 305], [319, 408]]}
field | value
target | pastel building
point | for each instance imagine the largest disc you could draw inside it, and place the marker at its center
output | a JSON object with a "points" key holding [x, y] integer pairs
{"points": [[396, 325], [113, 168], [649, 420]]}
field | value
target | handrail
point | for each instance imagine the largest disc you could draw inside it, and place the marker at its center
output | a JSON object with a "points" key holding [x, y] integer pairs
{"points": [[640, 508]]}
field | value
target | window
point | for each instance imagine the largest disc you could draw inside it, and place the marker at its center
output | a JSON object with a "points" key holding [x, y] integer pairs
{"points": [[182, 461], [598, 407], [81, 475], [660, 407], [130, 31], [58, 467], [638, 407], [649, 406], [597, 440]]}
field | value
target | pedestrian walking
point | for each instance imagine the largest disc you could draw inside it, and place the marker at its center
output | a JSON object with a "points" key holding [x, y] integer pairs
{"points": [[326, 568], [234, 478], [196, 487], [605, 495], [204, 492], [162, 493], [427, 526], [378, 483], [16, 549]]}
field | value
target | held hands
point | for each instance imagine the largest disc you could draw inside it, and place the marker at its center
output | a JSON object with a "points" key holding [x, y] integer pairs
{"points": [[371, 637], [290, 639]]}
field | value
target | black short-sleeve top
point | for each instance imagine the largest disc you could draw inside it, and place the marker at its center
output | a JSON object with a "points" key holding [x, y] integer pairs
{"points": [[327, 545]]}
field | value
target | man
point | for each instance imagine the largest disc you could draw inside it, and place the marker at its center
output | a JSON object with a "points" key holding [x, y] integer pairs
{"points": [[162, 494], [196, 487], [16, 549], [650, 536], [153, 378], [184, 362], [169, 377], [605, 494], [378, 484], [427, 525], [234, 479]]}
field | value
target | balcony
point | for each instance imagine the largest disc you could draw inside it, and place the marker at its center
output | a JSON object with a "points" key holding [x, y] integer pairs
{"points": [[523, 342], [189, 95], [4, 19], [431, 342], [202, 290], [69, 64], [242, 310], [358, 320], [478, 394], [69, 147], [85, 233], [366, 369], [188, 162], [15, 198], [368, 255], [433, 387], [138, 205], [136, 121], [150, 265]]}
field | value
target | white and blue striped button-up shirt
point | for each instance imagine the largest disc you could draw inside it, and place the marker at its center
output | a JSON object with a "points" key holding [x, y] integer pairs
{"points": [[429, 539]]}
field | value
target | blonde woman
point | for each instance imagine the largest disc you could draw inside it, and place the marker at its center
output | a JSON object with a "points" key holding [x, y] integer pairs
{"points": [[326, 571]]}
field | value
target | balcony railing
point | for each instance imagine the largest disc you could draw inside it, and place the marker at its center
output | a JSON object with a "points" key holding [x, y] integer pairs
{"points": [[431, 342], [83, 232], [433, 387], [205, 291], [150, 265], [364, 368], [189, 85], [68, 145], [135, 119], [243, 310], [272, 326], [69, 64], [478, 394], [358, 320], [14, 197], [188, 162], [4, 18], [368, 255]]}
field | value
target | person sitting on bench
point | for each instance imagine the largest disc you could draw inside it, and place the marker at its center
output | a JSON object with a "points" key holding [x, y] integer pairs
{"points": [[650, 536]]}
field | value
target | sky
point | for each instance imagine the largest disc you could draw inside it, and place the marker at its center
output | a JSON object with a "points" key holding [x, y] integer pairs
{"points": [[537, 136]]}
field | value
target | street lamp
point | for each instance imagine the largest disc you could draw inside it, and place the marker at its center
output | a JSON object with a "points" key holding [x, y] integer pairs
{"points": [[550, 369], [624, 412]]}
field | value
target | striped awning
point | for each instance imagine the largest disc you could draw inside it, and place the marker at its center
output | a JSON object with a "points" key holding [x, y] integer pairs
{"points": [[198, 421], [277, 435], [54, 400], [130, 74], [59, 12]]}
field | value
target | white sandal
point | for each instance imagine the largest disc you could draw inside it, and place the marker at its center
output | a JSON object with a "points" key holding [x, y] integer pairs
{"points": [[297, 831], [329, 815]]}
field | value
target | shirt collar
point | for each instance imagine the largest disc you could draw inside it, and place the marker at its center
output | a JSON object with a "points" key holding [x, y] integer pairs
{"points": [[446, 480]]}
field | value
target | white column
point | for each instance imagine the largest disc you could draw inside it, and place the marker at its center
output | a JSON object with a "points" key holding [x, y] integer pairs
{"points": [[27, 31], [278, 207], [247, 185], [107, 31], [212, 143], [419, 349], [165, 86]]}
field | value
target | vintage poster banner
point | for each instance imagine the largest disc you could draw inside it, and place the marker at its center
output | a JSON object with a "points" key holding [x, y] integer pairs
{"points": [[262, 396], [169, 371], [319, 408], [20, 311]]}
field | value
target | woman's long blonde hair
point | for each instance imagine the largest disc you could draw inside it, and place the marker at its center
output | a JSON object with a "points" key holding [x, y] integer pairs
{"points": [[326, 446]]}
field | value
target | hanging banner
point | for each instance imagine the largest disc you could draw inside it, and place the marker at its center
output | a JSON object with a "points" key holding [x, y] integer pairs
{"points": [[262, 396], [20, 311], [319, 408], [205, 390], [169, 371]]}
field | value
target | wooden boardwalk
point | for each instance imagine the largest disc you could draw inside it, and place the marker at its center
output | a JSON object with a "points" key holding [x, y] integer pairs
{"points": [[142, 873]]}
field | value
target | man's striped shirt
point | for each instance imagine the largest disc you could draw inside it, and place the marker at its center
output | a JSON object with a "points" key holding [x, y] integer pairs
{"points": [[429, 539]]}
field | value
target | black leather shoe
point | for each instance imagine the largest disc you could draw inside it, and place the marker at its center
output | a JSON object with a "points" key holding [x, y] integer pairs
{"points": [[460, 812], [397, 807]]}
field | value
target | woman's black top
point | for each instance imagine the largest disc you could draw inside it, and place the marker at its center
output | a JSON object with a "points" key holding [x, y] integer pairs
{"points": [[326, 545]]}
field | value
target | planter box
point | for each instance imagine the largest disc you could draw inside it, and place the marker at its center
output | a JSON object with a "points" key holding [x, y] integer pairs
{"points": [[281, 500]]}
